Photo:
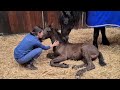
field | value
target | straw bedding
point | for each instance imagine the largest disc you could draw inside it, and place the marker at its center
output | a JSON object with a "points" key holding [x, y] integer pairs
{"points": [[10, 69]]}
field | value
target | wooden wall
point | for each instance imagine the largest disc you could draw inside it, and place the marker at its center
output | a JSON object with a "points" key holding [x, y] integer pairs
{"points": [[12, 22], [24, 21]]}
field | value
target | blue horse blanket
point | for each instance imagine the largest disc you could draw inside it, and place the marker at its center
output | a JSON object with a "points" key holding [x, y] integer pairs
{"points": [[103, 18]]}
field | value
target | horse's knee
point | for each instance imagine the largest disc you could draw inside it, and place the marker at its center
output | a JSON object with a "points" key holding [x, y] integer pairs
{"points": [[51, 63], [90, 67], [63, 65], [50, 55], [54, 64], [80, 73]]}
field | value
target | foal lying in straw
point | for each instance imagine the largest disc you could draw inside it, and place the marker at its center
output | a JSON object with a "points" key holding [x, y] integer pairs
{"points": [[75, 51]]}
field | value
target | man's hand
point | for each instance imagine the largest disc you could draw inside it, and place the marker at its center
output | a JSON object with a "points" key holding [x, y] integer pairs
{"points": [[56, 43]]}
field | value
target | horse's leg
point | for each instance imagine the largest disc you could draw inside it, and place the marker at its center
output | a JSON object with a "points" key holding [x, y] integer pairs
{"points": [[95, 36], [65, 34], [80, 73], [87, 61], [52, 55], [80, 66], [101, 59], [104, 38], [56, 62]]}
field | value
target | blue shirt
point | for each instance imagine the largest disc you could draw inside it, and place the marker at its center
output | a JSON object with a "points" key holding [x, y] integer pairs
{"points": [[28, 44]]}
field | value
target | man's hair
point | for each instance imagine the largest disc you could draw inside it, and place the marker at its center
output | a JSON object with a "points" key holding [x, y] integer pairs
{"points": [[35, 30]]}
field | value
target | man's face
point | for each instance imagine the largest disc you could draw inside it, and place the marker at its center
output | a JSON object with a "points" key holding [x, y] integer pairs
{"points": [[40, 34]]}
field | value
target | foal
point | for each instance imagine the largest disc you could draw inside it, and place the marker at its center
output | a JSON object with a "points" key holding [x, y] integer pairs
{"points": [[74, 51]]}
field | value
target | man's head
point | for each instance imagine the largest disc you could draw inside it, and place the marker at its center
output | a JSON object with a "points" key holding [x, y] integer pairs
{"points": [[37, 31]]}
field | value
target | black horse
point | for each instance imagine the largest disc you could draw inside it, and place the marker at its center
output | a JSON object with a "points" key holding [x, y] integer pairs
{"points": [[69, 19]]}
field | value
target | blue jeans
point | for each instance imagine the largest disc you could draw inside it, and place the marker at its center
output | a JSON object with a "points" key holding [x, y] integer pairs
{"points": [[34, 54]]}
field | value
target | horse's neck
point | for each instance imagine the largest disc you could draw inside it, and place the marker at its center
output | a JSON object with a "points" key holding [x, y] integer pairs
{"points": [[52, 38], [55, 36]]}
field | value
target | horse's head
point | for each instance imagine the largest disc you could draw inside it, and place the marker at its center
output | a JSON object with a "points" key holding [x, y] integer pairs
{"points": [[47, 32], [68, 20], [53, 34]]}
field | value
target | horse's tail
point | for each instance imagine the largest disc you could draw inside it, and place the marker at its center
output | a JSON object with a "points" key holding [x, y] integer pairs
{"points": [[101, 59]]}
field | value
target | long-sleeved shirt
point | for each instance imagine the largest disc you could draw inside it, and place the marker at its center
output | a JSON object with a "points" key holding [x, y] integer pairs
{"points": [[28, 44]]}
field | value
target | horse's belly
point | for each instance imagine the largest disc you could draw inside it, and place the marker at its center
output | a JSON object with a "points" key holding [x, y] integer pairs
{"points": [[76, 56]]}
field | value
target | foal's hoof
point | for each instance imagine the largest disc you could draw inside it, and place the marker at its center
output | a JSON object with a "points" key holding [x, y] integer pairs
{"points": [[50, 55], [63, 65], [77, 77], [75, 67], [79, 74]]}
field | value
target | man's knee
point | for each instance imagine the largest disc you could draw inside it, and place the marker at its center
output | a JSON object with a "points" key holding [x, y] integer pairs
{"points": [[39, 50]]}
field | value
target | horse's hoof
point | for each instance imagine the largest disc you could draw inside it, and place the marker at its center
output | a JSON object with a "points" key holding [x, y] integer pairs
{"points": [[63, 65], [77, 77], [75, 67], [106, 42], [103, 64]]}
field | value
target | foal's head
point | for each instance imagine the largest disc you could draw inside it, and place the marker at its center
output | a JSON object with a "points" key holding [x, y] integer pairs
{"points": [[53, 34]]}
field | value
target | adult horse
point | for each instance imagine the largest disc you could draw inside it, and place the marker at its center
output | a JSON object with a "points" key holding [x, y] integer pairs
{"points": [[96, 19]]}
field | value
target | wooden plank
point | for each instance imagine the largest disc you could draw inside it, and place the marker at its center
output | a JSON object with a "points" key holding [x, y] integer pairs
{"points": [[80, 25], [32, 18], [27, 21], [52, 17], [24, 21], [13, 21], [38, 18], [84, 20], [20, 21], [1, 21], [4, 23], [45, 18]]}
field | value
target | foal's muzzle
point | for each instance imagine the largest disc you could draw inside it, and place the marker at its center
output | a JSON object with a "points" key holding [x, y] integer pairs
{"points": [[65, 39]]}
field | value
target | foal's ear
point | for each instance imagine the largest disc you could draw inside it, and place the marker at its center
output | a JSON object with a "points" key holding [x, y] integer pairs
{"points": [[47, 29]]}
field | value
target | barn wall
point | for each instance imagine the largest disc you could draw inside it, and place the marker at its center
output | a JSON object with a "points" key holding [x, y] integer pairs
{"points": [[23, 21], [4, 22], [52, 18]]}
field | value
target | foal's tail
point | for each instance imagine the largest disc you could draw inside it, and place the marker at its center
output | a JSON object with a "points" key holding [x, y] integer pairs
{"points": [[101, 59]]}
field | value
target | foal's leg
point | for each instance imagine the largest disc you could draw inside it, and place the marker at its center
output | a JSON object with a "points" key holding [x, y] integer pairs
{"points": [[95, 36], [101, 59], [56, 62], [104, 38], [88, 59], [80, 66], [52, 55], [80, 73], [89, 66]]}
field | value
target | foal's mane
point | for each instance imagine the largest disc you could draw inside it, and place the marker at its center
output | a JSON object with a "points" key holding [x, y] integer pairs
{"points": [[57, 35]]}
